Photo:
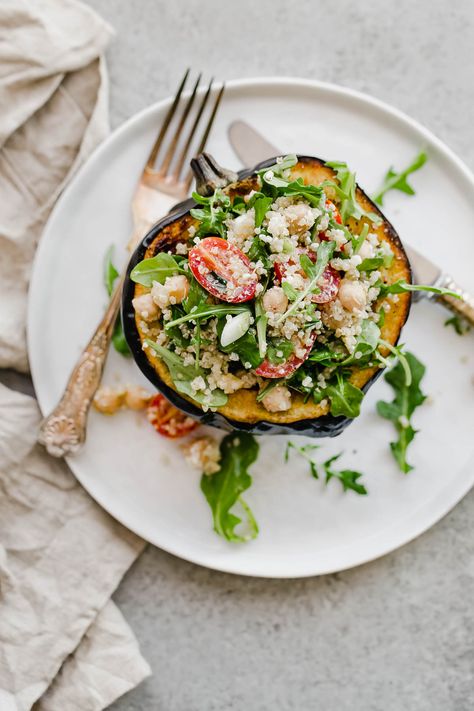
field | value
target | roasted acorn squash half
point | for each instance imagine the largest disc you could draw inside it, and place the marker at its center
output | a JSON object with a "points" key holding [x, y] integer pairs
{"points": [[242, 411]]}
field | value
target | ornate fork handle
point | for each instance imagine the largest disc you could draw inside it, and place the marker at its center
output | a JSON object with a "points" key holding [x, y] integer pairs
{"points": [[64, 430], [463, 307]]}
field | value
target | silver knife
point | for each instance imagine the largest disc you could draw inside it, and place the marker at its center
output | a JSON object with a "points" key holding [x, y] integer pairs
{"points": [[251, 147]]}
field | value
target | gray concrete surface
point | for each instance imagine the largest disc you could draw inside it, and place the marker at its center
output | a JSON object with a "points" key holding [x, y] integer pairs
{"points": [[395, 634]]}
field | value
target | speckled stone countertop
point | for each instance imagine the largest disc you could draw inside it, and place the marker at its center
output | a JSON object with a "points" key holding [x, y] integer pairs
{"points": [[391, 635]]}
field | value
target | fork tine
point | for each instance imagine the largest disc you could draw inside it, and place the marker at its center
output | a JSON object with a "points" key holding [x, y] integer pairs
{"points": [[202, 145], [167, 120], [163, 168], [184, 152]]}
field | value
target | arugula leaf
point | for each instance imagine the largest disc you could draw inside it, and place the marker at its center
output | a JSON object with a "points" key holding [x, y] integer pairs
{"points": [[261, 207], [460, 325], [110, 272], [312, 193], [110, 276], [289, 290], [223, 490], [155, 269], [325, 252], [182, 375], [348, 477], [346, 191], [358, 241], [401, 286], [398, 181], [407, 398], [326, 356], [345, 398], [279, 345], [307, 266], [273, 177], [258, 251], [204, 311], [196, 297], [261, 326], [366, 343], [372, 263], [213, 213]]}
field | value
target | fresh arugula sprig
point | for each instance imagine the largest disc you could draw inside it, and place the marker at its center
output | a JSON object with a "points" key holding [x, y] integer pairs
{"points": [[110, 276], [212, 214], [460, 325], [346, 192], [401, 286], [277, 346], [398, 181], [274, 182], [408, 396], [223, 490], [204, 311], [345, 398], [372, 263], [156, 268], [348, 477], [182, 376]]}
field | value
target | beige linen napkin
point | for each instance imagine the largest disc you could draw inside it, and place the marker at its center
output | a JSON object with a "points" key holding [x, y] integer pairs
{"points": [[61, 556]]}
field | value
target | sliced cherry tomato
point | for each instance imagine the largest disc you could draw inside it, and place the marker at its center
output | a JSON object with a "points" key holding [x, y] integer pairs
{"points": [[167, 419], [329, 282], [272, 370], [223, 270], [329, 285]]}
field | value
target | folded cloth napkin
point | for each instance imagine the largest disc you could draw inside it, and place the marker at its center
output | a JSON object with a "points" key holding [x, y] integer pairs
{"points": [[63, 645]]}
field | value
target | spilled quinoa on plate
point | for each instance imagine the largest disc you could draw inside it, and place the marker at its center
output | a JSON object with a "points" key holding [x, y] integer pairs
{"points": [[280, 292]]}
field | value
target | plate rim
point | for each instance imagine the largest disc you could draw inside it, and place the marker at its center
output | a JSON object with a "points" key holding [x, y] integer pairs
{"points": [[95, 157]]}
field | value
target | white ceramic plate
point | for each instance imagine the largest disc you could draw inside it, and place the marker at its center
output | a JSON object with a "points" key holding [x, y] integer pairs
{"points": [[305, 528]]}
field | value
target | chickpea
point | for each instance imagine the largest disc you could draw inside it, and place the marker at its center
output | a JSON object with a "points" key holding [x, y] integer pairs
{"points": [[136, 397], [177, 288], [108, 400], [275, 300], [352, 295], [145, 307], [277, 400]]}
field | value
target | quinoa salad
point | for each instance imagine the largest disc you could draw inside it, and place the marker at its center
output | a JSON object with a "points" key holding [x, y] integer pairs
{"points": [[281, 291]]}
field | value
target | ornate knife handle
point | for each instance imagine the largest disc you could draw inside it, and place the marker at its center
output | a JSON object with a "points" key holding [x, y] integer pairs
{"points": [[464, 306], [64, 430]]}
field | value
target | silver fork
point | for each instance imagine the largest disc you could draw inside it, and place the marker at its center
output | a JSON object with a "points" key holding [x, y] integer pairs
{"points": [[159, 188]]}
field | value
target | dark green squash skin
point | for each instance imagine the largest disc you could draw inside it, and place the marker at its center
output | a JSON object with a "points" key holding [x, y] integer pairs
{"points": [[319, 427]]}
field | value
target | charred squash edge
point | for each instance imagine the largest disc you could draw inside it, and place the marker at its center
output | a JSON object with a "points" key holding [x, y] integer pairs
{"points": [[325, 425]]}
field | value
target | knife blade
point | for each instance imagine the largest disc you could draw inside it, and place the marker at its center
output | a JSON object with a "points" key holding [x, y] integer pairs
{"points": [[249, 145]]}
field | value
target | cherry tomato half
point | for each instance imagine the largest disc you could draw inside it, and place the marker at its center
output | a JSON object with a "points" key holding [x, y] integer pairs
{"points": [[272, 370], [167, 419], [223, 270], [329, 282]]}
